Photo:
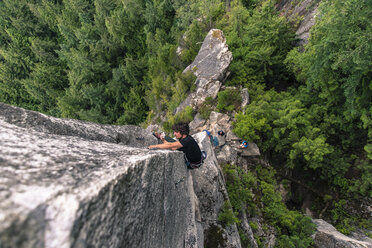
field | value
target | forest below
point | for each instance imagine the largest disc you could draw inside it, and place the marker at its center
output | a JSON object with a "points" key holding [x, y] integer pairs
{"points": [[121, 61]]}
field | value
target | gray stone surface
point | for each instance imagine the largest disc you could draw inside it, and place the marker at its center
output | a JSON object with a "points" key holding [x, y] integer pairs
{"points": [[327, 236], [213, 58], [251, 150], [302, 16], [245, 98], [246, 228], [64, 183], [209, 186], [197, 125], [210, 67], [68, 183], [125, 135], [227, 155]]}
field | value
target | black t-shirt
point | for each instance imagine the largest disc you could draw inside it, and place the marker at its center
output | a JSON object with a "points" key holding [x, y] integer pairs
{"points": [[191, 149]]}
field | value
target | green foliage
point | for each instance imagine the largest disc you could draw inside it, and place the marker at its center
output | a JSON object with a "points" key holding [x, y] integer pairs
{"points": [[185, 83], [239, 184], [26, 48], [162, 70], [159, 14], [249, 128], [294, 229], [125, 25], [74, 59], [259, 42], [193, 40], [207, 107], [186, 115], [211, 11], [250, 4], [336, 68], [229, 100], [134, 107], [253, 225], [227, 215], [312, 150], [364, 185], [341, 218], [300, 136], [336, 62]]}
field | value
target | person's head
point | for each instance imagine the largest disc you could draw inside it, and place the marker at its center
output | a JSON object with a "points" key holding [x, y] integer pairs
{"points": [[180, 129]]}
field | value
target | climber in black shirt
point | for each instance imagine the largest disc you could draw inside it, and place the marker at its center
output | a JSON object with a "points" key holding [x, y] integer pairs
{"points": [[185, 143]]}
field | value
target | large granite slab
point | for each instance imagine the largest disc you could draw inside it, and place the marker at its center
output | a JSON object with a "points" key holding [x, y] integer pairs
{"points": [[77, 189]]}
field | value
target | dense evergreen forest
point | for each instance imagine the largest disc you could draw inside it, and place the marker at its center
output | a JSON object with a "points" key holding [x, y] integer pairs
{"points": [[118, 62]]}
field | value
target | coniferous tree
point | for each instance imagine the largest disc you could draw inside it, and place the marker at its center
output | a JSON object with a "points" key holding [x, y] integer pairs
{"points": [[259, 42], [104, 51], [26, 50], [340, 43]]}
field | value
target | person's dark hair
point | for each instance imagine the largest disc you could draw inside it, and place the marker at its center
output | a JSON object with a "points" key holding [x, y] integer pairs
{"points": [[182, 127], [222, 133]]}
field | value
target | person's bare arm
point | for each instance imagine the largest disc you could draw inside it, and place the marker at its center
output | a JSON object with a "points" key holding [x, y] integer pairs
{"points": [[167, 145]]}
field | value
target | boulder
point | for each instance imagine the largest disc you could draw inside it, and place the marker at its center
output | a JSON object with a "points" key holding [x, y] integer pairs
{"points": [[265, 233], [210, 67], [213, 58], [219, 121], [197, 125], [227, 155], [247, 230], [327, 236], [251, 150]]}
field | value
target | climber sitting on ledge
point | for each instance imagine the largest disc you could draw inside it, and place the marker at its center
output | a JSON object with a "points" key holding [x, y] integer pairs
{"points": [[186, 144]]}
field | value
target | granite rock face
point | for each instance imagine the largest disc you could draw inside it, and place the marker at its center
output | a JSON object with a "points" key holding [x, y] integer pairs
{"points": [[125, 135], [213, 58], [209, 187], [66, 183], [301, 15], [210, 67], [327, 236]]}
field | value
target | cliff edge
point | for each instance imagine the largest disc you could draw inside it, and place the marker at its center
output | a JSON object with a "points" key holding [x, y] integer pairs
{"points": [[68, 183]]}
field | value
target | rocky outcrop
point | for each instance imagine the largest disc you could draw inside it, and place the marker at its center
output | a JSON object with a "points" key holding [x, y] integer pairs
{"points": [[301, 15], [210, 68], [213, 58], [327, 236], [228, 151]]}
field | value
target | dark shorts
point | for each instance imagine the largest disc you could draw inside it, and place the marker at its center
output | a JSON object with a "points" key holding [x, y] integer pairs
{"points": [[192, 166]]}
